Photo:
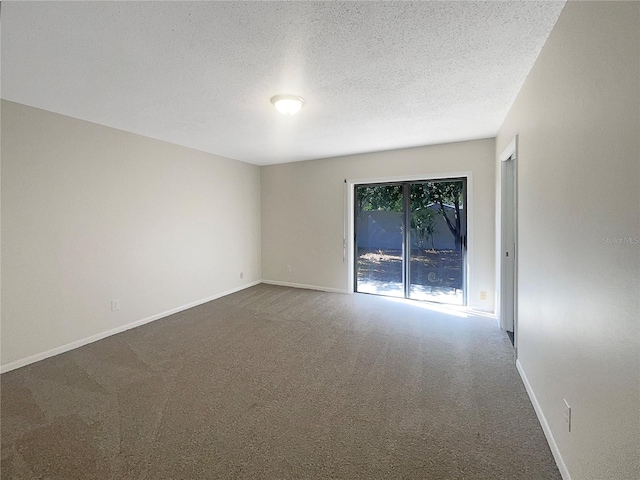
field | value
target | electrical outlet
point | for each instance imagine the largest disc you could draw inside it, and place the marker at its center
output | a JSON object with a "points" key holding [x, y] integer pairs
{"points": [[241, 275], [483, 295], [567, 415], [288, 268], [115, 305]]}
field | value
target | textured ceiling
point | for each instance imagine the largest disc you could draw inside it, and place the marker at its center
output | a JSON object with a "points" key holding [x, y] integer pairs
{"points": [[375, 75]]}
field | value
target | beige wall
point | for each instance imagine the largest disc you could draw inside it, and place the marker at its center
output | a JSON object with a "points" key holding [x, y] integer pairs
{"points": [[578, 120], [303, 211], [91, 214]]}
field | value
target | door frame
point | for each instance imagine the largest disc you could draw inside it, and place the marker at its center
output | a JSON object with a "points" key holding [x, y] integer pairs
{"points": [[352, 257], [506, 275], [349, 223]]}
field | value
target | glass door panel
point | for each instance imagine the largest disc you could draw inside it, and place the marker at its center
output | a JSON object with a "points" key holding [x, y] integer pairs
{"points": [[424, 262], [437, 241], [379, 220]]}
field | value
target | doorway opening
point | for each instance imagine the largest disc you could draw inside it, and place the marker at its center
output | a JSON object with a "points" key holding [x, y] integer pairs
{"points": [[508, 254], [410, 239]]}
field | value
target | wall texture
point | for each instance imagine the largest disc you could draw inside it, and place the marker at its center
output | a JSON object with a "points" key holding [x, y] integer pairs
{"points": [[578, 120], [91, 214], [303, 211]]}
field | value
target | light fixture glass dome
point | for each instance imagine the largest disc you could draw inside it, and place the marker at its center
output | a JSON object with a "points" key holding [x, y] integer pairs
{"points": [[287, 104]]}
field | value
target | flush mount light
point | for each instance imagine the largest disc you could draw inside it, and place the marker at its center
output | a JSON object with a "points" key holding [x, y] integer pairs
{"points": [[287, 104]]}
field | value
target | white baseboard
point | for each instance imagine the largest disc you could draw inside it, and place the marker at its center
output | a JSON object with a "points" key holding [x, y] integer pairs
{"points": [[543, 422], [301, 285], [99, 336], [472, 308], [482, 309]]}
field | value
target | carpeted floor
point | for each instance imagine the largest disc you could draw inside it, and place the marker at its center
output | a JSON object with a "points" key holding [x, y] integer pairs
{"points": [[280, 383]]}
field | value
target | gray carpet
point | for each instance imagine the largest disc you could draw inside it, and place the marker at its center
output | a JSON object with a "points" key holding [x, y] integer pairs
{"points": [[279, 383]]}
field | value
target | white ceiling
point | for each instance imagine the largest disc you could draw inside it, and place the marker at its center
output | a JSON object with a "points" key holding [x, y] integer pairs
{"points": [[375, 75]]}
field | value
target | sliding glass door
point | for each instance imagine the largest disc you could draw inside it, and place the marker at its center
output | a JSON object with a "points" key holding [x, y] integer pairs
{"points": [[438, 241], [411, 240], [379, 226]]}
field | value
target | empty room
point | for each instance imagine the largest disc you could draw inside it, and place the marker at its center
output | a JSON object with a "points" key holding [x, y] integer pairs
{"points": [[308, 240]]}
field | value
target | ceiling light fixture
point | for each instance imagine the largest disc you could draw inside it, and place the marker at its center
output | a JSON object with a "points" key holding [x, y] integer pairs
{"points": [[287, 104]]}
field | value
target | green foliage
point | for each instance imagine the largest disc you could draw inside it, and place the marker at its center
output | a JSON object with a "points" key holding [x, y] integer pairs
{"points": [[422, 196], [449, 193], [423, 226], [379, 197]]}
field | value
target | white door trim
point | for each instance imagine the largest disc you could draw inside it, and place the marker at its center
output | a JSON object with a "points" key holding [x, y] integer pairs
{"points": [[506, 291], [511, 150]]}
